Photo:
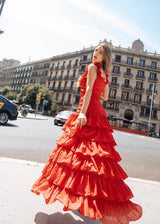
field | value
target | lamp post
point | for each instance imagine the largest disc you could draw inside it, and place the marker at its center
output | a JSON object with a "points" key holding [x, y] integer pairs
{"points": [[150, 112]]}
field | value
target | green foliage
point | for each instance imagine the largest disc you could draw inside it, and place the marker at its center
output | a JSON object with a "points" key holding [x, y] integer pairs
{"points": [[8, 93], [29, 95]]}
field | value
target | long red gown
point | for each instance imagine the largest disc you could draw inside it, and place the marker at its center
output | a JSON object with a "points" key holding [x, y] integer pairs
{"points": [[83, 171]]}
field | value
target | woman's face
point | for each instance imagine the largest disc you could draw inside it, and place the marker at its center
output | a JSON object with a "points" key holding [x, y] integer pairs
{"points": [[98, 54]]}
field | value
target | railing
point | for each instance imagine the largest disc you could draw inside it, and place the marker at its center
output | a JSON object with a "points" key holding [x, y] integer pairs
{"points": [[128, 74], [135, 64], [153, 80], [126, 86], [140, 77], [138, 89]]}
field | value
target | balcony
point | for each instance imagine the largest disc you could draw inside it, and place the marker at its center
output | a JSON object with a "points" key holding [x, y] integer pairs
{"points": [[114, 84], [126, 87], [69, 66], [75, 65], [66, 77], [138, 89], [81, 70], [85, 60], [116, 72], [152, 79], [51, 68], [150, 91], [60, 77], [57, 67], [128, 74], [140, 77], [63, 67], [73, 76]]}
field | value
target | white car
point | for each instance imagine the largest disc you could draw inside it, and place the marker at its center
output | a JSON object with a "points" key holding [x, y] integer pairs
{"points": [[61, 118]]}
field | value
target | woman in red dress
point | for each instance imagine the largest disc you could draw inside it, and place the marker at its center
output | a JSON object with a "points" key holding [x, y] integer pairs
{"points": [[83, 171]]}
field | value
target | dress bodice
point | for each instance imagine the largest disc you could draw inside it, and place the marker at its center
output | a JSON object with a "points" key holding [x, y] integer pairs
{"points": [[99, 83]]}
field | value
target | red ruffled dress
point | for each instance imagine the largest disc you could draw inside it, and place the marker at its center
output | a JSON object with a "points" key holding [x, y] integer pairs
{"points": [[83, 171]]}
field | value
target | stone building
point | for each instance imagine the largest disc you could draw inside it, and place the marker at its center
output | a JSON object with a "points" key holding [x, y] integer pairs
{"points": [[134, 73]]}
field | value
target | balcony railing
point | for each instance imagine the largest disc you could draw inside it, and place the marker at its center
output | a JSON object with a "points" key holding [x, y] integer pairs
{"points": [[114, 84], [140, 77], [116, 72], [152, 79], [128, 74], [150, 91], [138, 89], [126, 86]]}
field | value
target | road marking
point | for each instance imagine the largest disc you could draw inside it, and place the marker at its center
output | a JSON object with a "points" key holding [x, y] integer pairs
{"points": [[150, 139]]}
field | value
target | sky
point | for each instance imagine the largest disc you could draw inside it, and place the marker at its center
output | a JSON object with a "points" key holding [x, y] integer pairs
{"points": [[39, 29]]}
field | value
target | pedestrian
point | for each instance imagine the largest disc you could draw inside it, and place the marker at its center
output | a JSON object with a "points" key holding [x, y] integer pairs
{"points": [[83, 171]]}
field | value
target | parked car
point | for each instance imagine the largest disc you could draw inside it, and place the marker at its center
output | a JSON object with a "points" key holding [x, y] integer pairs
{"points": [[8, 110], [62, 116]]}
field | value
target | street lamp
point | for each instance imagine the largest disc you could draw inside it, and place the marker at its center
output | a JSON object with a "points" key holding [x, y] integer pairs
{"points": [[150, 112]]}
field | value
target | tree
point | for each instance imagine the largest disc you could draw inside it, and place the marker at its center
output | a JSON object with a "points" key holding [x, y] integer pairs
{"points": [[29, 95]]}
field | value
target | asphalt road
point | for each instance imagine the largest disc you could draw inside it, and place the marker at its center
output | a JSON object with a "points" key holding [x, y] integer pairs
{"points": [[30, 139]]}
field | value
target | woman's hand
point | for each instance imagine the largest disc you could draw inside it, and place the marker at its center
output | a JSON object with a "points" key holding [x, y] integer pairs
{"points": [[82, 120]]}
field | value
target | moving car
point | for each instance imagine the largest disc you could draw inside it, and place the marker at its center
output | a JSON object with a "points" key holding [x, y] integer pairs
{"points": [[8, 110], [61, 118]]}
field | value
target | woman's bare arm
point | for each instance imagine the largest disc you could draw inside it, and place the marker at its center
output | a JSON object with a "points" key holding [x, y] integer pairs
{"points": [[91, 77]]}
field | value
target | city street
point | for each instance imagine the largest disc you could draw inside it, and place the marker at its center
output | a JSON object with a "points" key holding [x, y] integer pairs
{"points": [[30, 139]]}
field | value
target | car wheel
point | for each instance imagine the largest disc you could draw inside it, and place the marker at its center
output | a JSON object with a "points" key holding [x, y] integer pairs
{"points": [[3, 117]]}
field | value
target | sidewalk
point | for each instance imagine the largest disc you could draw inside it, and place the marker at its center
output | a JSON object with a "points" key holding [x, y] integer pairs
{"points": [[32, 116], [18, 205]]}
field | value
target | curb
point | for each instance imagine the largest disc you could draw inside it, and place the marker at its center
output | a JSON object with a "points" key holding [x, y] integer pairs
{"points": [[31, 163], [33, 118]]}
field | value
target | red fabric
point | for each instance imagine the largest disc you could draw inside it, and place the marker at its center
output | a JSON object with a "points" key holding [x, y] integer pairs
{"points": [[83, 170]]}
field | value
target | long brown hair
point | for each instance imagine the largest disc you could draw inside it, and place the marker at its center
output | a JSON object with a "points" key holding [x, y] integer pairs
{"points": [[107, 53]]}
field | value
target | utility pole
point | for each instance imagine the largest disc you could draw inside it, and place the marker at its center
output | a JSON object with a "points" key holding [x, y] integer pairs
{"points": [[150, 112]]}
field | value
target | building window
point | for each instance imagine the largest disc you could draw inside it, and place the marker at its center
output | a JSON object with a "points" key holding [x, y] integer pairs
{"points": [[142, 63], [57, 96], [76, 63], [152, 76], [65, 85], [126, 83], [148, 99], [112, 93], [118, 58], [130, 61], [54, 83], [139, 85], [154, 65], [116, 69], [151, 86], [85, 58], [63, 98], [70, 63], [137, 98], [114, 80], [128, 71], [59, 85], [140, 74], [72, 84], [62, 73], [125, 95], [69, 98]]}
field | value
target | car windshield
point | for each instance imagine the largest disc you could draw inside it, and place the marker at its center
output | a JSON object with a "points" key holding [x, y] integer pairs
{"points": [[66, 113]]}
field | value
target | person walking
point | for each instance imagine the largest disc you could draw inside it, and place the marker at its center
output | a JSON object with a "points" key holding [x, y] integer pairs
{"points": [[83, 171]]}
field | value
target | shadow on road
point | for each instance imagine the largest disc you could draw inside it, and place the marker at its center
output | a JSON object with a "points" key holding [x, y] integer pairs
{"points": [[8, 125], [56, 218]]}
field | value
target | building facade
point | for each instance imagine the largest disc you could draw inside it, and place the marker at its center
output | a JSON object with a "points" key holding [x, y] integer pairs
{"points": [[134, 74]]}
